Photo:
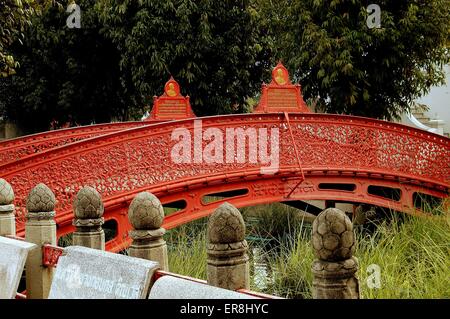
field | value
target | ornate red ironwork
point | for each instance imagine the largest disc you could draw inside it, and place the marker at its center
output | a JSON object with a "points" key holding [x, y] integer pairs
{"points": [[14, 149], [333, 149], [171, 105], [314, 151], [51, 254]]}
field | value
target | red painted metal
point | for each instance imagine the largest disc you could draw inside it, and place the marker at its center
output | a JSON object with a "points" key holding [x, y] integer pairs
{"points": [[280, 95], [171, 105], [21, 296], [260, 191], [14, 149], [51, 254], [332, 149], [122, 159], [286, 115]]}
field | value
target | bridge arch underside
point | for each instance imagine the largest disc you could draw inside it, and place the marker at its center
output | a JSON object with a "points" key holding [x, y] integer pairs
{"points": [[201, 198]]}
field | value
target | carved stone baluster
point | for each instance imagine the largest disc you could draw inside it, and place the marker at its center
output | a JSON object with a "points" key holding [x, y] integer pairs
{"points": [[335, 269], [146, 215], [228, 265], [88, 210], [7, 218], [40, 229]]}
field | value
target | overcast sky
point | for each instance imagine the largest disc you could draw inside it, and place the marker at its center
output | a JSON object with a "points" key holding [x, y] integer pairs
{"points": [[439, 102]]}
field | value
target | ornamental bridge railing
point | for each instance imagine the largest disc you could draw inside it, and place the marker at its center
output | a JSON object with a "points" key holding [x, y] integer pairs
{"points": [[18, 148], [121, 163]]}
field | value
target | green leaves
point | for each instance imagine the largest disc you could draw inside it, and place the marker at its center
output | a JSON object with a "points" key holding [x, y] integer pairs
{"points": [[14, 17], [356, 70], [66, 75], [210, 47], [219, 51], [124, 53]]}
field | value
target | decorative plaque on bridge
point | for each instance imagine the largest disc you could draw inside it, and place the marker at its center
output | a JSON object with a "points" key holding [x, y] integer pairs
{"points": [[171, 105], [280, 95]]}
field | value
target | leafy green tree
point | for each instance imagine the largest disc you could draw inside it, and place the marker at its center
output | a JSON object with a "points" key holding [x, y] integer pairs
{"points": [[214, 49], [125, 51], [66, 75], [15, 16], [347, 67]]}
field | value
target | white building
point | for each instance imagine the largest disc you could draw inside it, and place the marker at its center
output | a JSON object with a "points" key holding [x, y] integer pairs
{"points": [[437, 118]]}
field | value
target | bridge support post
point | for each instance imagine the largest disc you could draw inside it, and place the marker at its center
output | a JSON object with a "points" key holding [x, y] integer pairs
{"points": [[40, 229], [7, 217], [335, 269], [88, 210], [228, 265], [146, 215]]}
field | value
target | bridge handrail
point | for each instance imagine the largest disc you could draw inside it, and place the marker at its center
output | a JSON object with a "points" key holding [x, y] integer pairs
{"points": [[428, 169], [332, 119], [51, 254], [65, 217], [17, 148], [30, 138]]}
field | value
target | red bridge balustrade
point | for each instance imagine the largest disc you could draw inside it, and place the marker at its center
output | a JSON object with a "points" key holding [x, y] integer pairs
{"points": [[342, 157], [17, 148], [196, 164], [170, 106]]}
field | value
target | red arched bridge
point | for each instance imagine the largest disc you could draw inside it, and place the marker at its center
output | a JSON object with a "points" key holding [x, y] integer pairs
{"points": [[195, 164]]}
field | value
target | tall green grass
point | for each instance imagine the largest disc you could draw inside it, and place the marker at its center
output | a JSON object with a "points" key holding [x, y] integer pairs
{"points": [[413, 254], [414, 258], [291, 265], [187, 249]]}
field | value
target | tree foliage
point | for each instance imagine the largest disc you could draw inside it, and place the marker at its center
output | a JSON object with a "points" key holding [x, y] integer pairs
{"points": [[15, 16], [66, 75], [123, 54], [213, 48], [348, 68], [219, 51]]}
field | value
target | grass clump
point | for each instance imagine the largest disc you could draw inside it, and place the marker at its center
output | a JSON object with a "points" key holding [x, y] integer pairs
{"points": [[413, 253], [413, 256], [186, 247]]}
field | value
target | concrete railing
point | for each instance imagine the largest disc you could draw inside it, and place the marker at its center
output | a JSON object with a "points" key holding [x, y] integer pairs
{"points": [[78, 271]]}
